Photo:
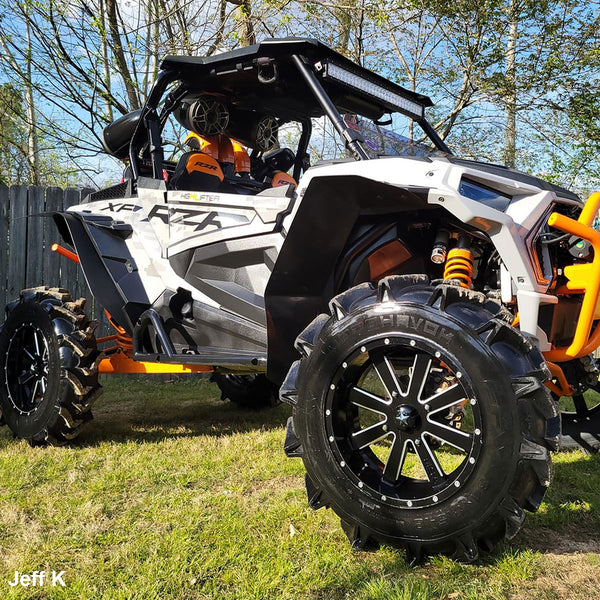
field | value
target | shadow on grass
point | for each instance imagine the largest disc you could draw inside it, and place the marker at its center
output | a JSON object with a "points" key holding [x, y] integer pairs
{"points": [[569, 519], [149, 411]]}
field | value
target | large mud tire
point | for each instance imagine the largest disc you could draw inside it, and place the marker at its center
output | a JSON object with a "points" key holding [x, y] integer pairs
{"points": [[48, 367], [247, 391], [431, 349]]}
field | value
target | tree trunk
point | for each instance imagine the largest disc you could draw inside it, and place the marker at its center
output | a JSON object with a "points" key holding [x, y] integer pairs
{"points": [[33, 150], [246, 33], [117, 48], [105, 61], [510, 135]]}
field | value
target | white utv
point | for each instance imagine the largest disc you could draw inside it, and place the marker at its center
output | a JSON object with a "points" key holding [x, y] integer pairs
{"points": [[421, 313]]}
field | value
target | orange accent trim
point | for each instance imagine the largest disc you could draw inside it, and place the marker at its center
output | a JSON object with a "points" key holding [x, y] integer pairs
{"points": [[459, 265], [125, 343], [516, 320], [241, 160], [563, 290], [387, 258], [584, 277], [108, 338], [123, 339], [226, 153], [116, 327], [121, 363], [64, 252], [590, 210], [563, 388]]}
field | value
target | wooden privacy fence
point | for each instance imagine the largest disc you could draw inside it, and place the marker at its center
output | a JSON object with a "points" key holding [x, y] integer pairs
{"points": [[27, 231]]}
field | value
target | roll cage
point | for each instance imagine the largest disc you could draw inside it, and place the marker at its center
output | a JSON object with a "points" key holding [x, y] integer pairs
{"points": [[291, 79]]}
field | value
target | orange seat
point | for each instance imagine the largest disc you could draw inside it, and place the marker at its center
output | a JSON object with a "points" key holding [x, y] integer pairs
{"points": [[227, 151], [282, 178], [197, 171]]}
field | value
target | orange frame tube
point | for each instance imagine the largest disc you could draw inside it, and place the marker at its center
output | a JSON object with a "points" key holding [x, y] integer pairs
{"points": [[561, 387], [120, 363], [64, 252], [584, 277]]}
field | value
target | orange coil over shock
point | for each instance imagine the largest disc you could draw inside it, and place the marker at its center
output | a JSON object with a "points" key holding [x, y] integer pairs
{"points": [[124, 341], [459, 265]]}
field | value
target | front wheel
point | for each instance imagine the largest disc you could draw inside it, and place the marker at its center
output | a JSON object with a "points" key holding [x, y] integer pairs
{"points": [[422, 418]]}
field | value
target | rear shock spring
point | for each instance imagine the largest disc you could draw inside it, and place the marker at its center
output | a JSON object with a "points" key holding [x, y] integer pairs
{"points": [[459, 265], [125, 343]]}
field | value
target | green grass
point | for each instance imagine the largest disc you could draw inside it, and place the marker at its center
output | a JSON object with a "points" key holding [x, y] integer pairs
{"points": [[171, 493]]}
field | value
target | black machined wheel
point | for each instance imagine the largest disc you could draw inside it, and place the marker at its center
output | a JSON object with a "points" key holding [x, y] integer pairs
{"points": [[26, 367], [403, 423], [248, 391], [422, 418], [48, 367]]}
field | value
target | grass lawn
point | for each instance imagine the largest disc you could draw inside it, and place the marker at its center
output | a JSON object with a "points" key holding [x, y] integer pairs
{"points": [[171, 493]]}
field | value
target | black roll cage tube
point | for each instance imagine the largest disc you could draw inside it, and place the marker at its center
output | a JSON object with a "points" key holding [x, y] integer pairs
{"points": [[353, 139], [153, 124]]}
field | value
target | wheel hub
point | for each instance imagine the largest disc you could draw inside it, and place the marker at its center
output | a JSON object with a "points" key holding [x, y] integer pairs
{"points": [[407, 418]]}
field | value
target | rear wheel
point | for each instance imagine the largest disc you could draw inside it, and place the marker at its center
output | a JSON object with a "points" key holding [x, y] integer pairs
{"points": [[422, 418], [580, 412], [48, 367], [249, 391]]}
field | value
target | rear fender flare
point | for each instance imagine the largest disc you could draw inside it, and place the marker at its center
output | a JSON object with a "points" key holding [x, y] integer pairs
{"points": [[106, 264]]}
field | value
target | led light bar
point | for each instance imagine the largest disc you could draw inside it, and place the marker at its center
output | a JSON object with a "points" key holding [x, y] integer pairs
{"points": [[389, 97]]}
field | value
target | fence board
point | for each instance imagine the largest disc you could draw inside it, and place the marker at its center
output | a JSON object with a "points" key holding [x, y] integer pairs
{"points": [[68, 267], [25, 241], [51, 260], [4, 207], [35, 240], [17, 241]]}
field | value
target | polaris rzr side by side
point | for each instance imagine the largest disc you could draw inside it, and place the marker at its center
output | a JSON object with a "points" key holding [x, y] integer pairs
{"points": [[421, 313]]}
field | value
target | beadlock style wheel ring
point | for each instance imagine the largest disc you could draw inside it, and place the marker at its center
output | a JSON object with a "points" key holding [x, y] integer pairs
{"points": [[26, 368], [392, 413]]}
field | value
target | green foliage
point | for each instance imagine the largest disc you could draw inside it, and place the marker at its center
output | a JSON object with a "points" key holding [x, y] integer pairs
{"points": [[89, 65], [13, 139], [583, 108]]}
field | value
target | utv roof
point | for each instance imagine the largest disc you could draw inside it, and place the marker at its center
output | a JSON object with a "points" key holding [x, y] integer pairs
{"points": [[264, 77]]}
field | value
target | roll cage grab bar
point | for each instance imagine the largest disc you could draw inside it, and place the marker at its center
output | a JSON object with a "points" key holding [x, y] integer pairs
{"points": [[151, 122]]}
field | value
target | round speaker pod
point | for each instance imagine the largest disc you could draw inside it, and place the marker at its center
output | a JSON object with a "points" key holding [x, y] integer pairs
{"points": [[204, 115], [208, 116], [253, 130], [266, 133]]}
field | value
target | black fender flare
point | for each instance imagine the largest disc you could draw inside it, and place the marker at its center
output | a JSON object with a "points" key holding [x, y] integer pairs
{"points": [[304, 276], [108, 267]]}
